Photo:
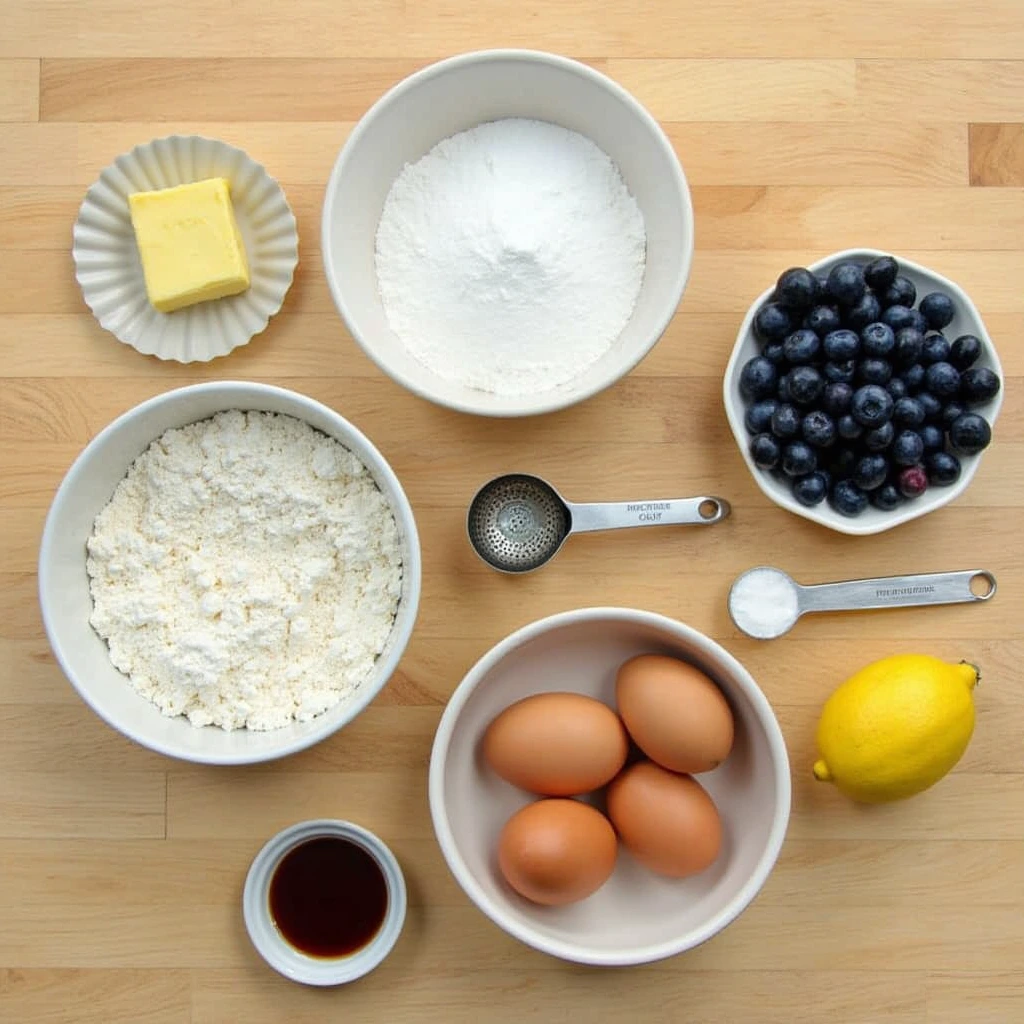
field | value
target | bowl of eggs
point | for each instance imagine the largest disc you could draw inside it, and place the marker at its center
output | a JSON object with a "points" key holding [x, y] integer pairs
{"points": [[609, 786]]}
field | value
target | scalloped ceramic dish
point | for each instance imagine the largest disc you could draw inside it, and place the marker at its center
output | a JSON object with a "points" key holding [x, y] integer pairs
{"points": [[107, 262], [872, 520]]}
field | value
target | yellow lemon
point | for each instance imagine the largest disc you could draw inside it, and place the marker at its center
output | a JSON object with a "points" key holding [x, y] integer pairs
{"points": [[896, 727]]}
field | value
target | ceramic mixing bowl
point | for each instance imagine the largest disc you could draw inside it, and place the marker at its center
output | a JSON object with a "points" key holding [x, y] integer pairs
{"points": [[458, 94], [637, 916], [66, 602]]}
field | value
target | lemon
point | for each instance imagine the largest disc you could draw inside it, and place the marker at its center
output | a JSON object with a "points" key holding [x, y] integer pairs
{"points": [[896, 727]]}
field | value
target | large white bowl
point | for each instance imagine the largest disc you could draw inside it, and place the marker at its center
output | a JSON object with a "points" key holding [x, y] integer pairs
{"points": [[871, 520], [66, 602], [637, 916], [455, 95]]}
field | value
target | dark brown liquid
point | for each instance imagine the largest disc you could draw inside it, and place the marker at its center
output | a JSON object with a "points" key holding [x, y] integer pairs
{"points": [[328, 897]]}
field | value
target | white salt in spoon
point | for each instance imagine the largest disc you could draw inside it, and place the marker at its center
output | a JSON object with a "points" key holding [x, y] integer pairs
{"points": [[765, 603]]}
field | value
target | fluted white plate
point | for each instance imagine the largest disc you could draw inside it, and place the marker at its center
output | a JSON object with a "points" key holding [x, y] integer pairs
{"points": [[109, 270]]}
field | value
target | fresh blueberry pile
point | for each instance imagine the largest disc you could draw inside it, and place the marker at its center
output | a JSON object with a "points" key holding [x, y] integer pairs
{"points": [[857, 396]]}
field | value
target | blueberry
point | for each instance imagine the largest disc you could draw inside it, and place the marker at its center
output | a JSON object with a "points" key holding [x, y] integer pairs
{"points": [[772, 322], [964, 351], [836, 398], [932, 437], [805, 384], [841, 373], [938, 309], [912, 482], [819, 429], [822, 280], [908, 412], [865, 311], [796, 288], [900, 293], [909, 342], [765, 450], [970, 433], [849, 429], [843, 463], [877, 339], [931, 405], [759, 378], [786, 422], [848, 499], [913, 377], [775, 352], [874, 371], [822, 319], [898, 317], [872, 405], [881, 272], [798, 459], [758, 418], [917, 320], [841, 345], [802, 346], [935, 349], [950, 412], [887, 497], [846, 283], [907, 448], [879, 438], [896, 388], [942, 468], [782, 391], [942, 380], [979, 384], [811, 489], [870, 471]]}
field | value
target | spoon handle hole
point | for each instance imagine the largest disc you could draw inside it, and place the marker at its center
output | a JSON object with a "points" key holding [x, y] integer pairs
{"points": [[983, 585]]}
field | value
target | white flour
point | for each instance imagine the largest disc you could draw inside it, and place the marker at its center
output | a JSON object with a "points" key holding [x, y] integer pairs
{"points": [[246, 572], [510, 256]]}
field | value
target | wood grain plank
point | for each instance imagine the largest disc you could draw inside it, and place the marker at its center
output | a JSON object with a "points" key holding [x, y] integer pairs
{"points": [[997, 154], [959, 997], [95, 997], [19, 90]]}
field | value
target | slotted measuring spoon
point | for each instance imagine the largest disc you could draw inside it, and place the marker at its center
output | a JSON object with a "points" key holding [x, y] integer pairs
{"points": [[517, 522], [765, 602]]}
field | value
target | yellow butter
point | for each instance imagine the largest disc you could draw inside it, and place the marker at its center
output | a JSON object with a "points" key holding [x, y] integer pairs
{"points": [[189, 243]]}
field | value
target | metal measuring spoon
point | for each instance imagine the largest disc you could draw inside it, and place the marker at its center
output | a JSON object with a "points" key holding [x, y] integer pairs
{"points": [[517, 523], [765, 602]]}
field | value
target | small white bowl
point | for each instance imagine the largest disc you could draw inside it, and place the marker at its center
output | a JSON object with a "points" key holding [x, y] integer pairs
{"points": [[271, 944], [637, 916], [460, 93], [66, 601], [109, 270], [871, 520]]}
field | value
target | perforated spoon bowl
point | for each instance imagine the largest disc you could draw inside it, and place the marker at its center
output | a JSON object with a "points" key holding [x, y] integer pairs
{"points": [[765, 602], [517, 522]]}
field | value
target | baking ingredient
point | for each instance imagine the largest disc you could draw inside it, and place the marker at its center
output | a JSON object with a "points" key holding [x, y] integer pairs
{"points": [[510, 257], [896, 727], [668, 822], [328, 897], [556, 744], [246, 572], [675, 713], [557, 851], [765, 600], [189, 244]]}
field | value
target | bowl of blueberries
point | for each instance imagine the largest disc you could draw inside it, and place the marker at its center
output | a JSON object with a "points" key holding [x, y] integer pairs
{"points": [[862, 391]]}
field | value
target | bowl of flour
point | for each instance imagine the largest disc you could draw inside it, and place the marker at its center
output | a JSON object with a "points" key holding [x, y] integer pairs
{"points": [[507, 232], [229, 573]]}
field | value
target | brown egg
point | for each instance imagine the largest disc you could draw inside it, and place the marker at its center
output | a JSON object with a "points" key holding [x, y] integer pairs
{"points": [[556, 744], [667, 821], [557, 851], [675, 713]]}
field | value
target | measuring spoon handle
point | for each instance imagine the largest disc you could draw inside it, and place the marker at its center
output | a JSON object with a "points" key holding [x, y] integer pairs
{"points": [[616, 515], [896, 591]]}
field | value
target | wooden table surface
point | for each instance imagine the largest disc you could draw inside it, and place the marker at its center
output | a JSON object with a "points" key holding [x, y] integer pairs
{"points": [[804, 126]]}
